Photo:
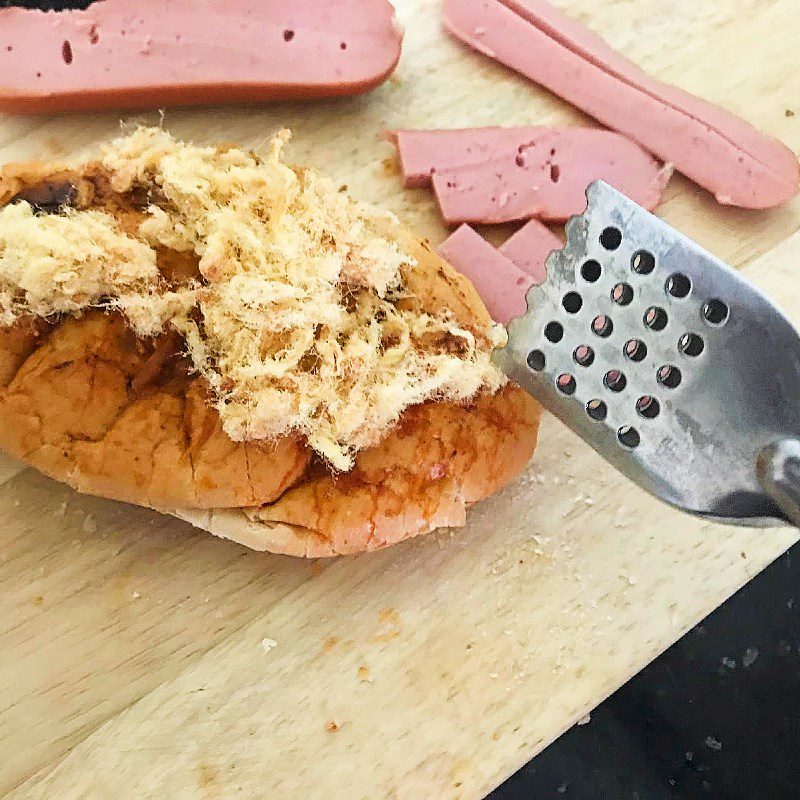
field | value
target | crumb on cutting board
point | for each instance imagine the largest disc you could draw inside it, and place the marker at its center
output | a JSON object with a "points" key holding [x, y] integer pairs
{"points": [[329, 644], [317, 567]]}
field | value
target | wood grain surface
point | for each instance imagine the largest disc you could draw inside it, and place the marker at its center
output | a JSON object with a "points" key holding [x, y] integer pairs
{"points": [[135, 652]]}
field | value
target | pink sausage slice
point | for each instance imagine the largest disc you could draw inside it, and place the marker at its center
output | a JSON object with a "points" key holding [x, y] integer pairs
{"points": [[118, 53], [721, 152], [503, 174], [529, 247], [587, 44], [500, 283], [502, 276], [423, 152]]}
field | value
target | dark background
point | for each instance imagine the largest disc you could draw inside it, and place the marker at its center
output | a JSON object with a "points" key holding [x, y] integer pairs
{"points": [[717, 717], [53, 4]]}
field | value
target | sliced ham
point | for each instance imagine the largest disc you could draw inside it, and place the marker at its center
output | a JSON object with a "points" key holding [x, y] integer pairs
{"points": [[502, 276], [718, 150], [500, 283], [503, 174], [529, 247], [422, 152], [171, 52]]}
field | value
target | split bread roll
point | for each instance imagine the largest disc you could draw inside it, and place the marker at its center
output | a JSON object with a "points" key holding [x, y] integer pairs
{"points": [[216, 334]]}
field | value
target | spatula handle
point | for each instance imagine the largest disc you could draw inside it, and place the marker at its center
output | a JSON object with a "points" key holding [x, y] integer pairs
{"points": [[778, 468]]}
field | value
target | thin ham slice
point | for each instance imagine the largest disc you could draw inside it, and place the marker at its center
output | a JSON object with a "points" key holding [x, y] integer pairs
{"points": [[423, 152], [503, 174], [117, 53], [500, 283], [502, 276], [529, 247], [721, 152]]}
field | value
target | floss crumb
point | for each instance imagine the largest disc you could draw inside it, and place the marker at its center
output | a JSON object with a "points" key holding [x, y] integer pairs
{"points": [[364, 674]]}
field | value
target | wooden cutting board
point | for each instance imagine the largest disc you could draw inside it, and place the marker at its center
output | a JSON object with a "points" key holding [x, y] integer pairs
{"points": [[136, 655]]}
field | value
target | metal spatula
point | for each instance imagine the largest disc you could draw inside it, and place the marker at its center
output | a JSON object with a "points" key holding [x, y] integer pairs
{"points": [[667, 362]]}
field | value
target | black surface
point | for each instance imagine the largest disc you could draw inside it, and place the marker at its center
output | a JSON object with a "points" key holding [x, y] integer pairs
{"points": [[55, 5], [717, 717]]}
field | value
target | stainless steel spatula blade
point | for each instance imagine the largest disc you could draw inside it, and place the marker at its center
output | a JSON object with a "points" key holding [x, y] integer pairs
{"points": [[667, 362]]}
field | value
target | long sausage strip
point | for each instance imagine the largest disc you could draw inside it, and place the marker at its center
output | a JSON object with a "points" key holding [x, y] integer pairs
{"points": [[718, 150]]}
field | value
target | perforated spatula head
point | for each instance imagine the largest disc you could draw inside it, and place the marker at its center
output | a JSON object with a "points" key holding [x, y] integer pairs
{"points": [[666, 361]]}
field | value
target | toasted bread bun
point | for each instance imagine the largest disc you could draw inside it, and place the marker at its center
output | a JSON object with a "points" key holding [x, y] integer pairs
{"points": [[90, 398]]}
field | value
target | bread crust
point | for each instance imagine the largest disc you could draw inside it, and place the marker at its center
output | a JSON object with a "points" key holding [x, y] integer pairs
{"points": [[86, 401]]}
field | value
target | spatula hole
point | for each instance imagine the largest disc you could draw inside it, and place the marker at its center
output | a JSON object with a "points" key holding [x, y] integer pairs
{"points": [[602, 325], [643, 262], [597, 410], [628, 436], [678, 285], [583, 355], [669, 376], [536, 360], [591, 271], [554, 332], [611, 238], [648, 407], [635, 349], [622, 294], [615, 380], [690, 344], [715, 312], [566, 383], [655, 318], [572, 302]]}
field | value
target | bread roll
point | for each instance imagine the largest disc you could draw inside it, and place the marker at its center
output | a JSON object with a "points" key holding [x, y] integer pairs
{"points": [[129, 322]]}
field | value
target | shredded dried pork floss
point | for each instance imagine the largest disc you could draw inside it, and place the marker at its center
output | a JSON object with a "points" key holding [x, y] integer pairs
{"points": [[298, 324]]}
